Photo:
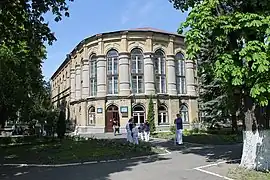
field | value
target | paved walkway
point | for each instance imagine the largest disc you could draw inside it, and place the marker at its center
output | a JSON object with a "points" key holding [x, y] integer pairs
{"points": [[186, 162]]}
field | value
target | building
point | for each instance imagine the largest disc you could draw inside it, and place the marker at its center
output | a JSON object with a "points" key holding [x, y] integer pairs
{"points": [[112, 75]]}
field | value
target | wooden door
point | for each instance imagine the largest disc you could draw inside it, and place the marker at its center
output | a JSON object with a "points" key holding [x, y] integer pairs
{"points": [[112, 113]]}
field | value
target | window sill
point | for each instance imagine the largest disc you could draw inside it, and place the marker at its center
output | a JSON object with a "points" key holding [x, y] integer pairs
{"points": [[164, 124]]}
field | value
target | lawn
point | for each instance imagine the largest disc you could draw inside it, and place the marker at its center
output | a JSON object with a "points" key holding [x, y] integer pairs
{"points": [[203, 137], [243, 174], [70, 150]]}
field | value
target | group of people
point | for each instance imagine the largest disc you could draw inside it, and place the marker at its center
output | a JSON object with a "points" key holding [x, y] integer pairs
{"points": [[135, 133]]}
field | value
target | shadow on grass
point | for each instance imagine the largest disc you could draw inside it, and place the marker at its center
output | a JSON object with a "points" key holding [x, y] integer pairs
{"points": [[100, 171]]}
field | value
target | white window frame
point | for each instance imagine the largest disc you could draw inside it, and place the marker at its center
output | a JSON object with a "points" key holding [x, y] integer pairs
{"points": [[162, 113], [137, 74], [92, 113], [113, 76], [93, 77], [158, 73], [186, 115], [180, 74]]}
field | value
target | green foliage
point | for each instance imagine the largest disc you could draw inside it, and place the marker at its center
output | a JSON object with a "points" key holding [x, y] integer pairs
{"points": [[235, 39], [23, 33], [151, 115], [61, 125], [173, 129]]}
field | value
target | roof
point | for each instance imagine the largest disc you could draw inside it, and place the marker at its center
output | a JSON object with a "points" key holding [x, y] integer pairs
{"points": [[144, 29]]}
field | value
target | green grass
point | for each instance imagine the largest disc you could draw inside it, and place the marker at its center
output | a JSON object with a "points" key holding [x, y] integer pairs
{"points": [[243, 174], [70, 150], [203, 137]]}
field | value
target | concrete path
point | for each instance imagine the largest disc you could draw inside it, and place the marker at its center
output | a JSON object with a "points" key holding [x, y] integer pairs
{"points": [[188, 162]]}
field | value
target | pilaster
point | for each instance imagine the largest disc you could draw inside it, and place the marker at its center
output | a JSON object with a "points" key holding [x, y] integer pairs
{"points": [[124, 74], [72, 84], [85, 79], [101, 78], [190, 78], [149, 78], [83, 118], [78, 82], [171, 78]]}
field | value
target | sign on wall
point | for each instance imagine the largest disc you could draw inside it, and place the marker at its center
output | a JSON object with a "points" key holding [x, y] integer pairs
{"points": [[99, 110], [123, 109]]}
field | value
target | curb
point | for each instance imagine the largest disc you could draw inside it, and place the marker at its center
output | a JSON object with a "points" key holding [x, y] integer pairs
{"points": [[88, 162]]}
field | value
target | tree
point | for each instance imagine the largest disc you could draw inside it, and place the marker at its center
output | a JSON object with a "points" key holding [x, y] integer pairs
{"points": [[151, 115], [235, 37], [23, 34], [61, 125]]}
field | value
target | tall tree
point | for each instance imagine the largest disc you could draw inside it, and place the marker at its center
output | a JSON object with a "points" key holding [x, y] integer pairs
{"points": [[235, 35], [151, 115], [23, 34]]}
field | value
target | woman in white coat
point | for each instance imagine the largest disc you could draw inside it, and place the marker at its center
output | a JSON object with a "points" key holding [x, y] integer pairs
{"points": [[135, 133], [129, 127]]}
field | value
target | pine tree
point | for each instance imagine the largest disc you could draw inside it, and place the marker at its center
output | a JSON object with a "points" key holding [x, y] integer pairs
{"points": [[61, 125], [151, 115]]}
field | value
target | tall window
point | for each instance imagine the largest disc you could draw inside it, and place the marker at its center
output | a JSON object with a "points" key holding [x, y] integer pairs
{"points": [[162, 115], [184, 113], [93, 75], [138, 114], [137, 71], [160, 74], [112, 72], [180, 73], [91, 116]]}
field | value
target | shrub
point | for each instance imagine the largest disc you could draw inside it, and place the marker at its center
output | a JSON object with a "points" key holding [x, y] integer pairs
{"points": [[61, 125], [173, 129], [151, 115]]}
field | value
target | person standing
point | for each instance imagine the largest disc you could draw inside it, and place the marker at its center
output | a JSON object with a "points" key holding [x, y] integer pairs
{"points": [[146, 131], [135, 132], [129, 127], [141, 131], [115, 124], [179, 129]]}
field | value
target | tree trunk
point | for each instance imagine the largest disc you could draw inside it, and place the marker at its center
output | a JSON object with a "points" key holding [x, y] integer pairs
{"points": [[234, 124], [256, 145]]}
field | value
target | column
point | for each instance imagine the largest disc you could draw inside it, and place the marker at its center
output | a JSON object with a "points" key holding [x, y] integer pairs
{"points": [[78, 82], [190, 78], [101, 76], [85, 79], [83, 118], [171, 78], [149, 78], [124, 75], [72, 84]]}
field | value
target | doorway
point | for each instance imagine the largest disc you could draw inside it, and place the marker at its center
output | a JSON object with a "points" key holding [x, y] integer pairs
{"points": [[112, 112]]}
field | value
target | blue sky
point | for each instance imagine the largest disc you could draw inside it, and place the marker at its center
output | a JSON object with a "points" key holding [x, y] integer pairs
{"points": [[89, 17]]}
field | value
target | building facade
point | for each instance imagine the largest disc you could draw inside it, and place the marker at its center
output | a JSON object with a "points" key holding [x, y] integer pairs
{"points": [[113, 75]]}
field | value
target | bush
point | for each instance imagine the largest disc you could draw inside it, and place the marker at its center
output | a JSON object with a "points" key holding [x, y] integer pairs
{"points": [[173, 129], [61, 125], [151, 115]]}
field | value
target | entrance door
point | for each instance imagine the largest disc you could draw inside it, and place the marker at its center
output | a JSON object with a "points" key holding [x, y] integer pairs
{"points": [[112, 112]]}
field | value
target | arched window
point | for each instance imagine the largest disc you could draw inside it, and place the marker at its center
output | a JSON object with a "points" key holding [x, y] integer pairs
{"points": [[180, 73], [160, 74], [93, 75], [162, 115], [138, 114], [91, 116], [112, 72], [137, 71], [184, 113]]}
